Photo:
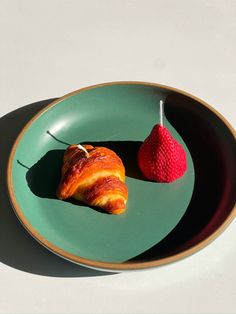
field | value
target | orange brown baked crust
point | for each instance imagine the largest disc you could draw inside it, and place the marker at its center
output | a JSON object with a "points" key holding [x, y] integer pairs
{"points": [[96, 178]]}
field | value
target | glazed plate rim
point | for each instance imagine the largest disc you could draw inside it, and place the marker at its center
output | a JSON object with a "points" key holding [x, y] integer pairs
{"points": [[111, 266]]}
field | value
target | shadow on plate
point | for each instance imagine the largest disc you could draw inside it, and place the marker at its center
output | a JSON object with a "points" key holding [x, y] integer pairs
{"points": [[17, 248], [212, 148]]}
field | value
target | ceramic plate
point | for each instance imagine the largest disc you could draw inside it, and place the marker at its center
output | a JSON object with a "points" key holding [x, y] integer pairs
{"points": [[120, 116]]}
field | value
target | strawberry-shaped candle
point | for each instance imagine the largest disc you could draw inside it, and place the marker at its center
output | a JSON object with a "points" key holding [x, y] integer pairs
{"points": [[161, 158]]}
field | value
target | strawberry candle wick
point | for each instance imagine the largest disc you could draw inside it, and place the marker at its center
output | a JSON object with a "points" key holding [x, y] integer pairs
{"points": [[161, 112]]}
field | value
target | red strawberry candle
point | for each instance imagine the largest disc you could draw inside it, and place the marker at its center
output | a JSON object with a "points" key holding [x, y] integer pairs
{"points": [[161, 158]]}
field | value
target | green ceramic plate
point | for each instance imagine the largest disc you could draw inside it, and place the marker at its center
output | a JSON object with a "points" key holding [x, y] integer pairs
{"points": [[163, 222], [118, 116]]}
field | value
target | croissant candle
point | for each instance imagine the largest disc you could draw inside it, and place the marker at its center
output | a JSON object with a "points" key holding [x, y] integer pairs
{"points": [[95, 176]]}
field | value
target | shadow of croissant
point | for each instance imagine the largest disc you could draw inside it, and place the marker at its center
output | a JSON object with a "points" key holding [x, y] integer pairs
{"points": [[43, 178]]}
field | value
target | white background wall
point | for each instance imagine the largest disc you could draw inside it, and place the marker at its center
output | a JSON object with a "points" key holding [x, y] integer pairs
{"points": [[49, 48]]}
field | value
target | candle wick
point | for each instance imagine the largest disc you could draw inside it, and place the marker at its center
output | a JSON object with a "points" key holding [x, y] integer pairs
{"points": [[83, 149], [161, 112]]}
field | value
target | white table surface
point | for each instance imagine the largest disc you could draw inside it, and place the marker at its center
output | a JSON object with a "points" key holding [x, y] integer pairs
{"points": [[49, 48]]}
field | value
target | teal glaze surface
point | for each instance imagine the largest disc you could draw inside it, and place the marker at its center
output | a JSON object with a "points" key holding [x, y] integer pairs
{"points": [[119, 114]]}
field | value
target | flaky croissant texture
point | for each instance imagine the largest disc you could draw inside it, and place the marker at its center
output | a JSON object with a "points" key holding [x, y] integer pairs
{"points": [[95, 176]]}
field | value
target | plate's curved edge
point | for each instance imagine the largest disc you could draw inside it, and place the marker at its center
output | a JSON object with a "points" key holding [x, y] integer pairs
{"points": [[118, 267], [107, 265]]}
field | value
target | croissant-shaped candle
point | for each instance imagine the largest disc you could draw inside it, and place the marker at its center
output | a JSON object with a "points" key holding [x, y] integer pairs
{"points": [[95, 176]]}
